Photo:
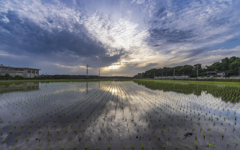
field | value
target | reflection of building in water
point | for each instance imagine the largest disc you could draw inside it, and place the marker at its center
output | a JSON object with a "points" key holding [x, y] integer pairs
{"points": [[27, 86]]}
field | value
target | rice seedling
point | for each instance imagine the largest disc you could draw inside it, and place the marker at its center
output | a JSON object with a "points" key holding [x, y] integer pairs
{"points": [[236, 142], [176, 146], [16, 138], [228, 144], [196, 144], [79, 138], [211, 144]]}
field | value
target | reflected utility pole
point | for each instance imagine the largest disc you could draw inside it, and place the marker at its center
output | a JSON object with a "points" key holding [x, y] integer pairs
{"points": [[87, 87], [87, 71]]}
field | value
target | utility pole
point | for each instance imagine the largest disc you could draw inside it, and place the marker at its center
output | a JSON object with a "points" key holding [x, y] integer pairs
{"points": [[87, 70], [173, 72], [154, 75], [162, 73]]}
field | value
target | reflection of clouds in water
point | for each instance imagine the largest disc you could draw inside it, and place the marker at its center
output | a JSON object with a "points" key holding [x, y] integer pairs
{"points": [[63, 87], [120, 100]]}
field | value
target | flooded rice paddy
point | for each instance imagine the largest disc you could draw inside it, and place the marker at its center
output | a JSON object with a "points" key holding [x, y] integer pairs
{"points": [[119, 115]]}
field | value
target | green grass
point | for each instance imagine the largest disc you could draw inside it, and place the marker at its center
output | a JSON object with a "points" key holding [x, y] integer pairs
{"points": [[200, 81], [228, 91]]}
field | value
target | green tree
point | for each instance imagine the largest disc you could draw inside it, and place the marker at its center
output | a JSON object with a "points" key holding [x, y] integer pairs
{"points": [[232, 59], [214, 66], [7, 75], [224, 66], [225, 63], [226, 59], [234, 65], [19, 77]]}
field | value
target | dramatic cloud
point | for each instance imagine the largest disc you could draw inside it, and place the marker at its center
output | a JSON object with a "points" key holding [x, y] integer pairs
{"points": [[119, 37]]}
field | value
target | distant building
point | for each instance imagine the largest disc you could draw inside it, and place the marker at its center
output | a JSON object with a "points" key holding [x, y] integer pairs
{"points": [[20, 71], [211, 74], [221, 74]]}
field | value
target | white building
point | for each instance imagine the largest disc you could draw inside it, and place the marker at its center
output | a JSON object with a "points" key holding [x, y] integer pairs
{"points": [[20, 71], [221, 74]]}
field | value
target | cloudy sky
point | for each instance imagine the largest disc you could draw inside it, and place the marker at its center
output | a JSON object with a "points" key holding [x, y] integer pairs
{"points": [[119, 37]]}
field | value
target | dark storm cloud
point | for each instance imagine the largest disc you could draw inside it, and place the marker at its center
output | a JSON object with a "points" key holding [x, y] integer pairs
{"points": [[174, 36], [215, 21], [161, 13], [190, 53], [195, 52], [150, 65], [192, 23], [29, 38]]}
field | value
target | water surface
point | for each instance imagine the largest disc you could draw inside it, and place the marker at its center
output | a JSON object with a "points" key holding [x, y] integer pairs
{"points": [[120, 115]]}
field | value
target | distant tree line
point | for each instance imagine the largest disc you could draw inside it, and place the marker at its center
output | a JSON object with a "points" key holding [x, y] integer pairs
{"points": [[7, 76], [228, 65]]}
